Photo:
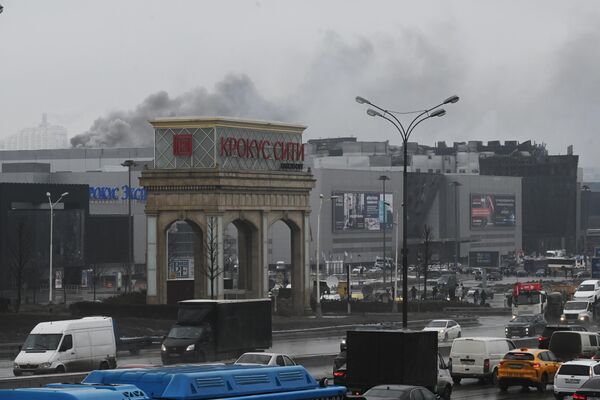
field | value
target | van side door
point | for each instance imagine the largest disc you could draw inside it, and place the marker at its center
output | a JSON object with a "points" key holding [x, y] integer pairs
{"points": [[66, 353]]}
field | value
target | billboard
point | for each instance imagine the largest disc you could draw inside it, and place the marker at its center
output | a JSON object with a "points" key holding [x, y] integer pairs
{"points": [[362, 211], [483, 259], [493, 210]]}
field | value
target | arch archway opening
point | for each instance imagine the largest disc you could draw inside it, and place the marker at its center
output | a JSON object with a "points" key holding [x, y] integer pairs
{"points": [[185, 254]]}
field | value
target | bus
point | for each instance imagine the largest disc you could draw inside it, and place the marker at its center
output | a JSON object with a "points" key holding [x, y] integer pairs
{"points": [[190, 382]]}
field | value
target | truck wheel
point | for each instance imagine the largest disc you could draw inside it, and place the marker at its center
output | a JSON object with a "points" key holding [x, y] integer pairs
{"points": [[559, 396], [104, 365], [60, 369], [17, 373], [495, 377], [543, 383], [456, 380]]}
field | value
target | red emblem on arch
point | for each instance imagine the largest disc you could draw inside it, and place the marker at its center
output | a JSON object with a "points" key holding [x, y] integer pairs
{"points": [[182, 145]]}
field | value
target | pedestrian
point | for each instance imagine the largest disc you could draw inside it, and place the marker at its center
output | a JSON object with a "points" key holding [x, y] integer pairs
{"points": [[483, 297], [434, 292], [462, 292], [476, 296], [452, 292], [413, 293]]}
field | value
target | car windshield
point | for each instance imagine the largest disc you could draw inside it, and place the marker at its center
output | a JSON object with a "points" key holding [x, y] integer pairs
{"points": [[185, 332], [48, 341], [254, 359], [586, 288], [437, 324], [528, 298], [573, 369], [522, 318], [519, 356], [576, 305]]}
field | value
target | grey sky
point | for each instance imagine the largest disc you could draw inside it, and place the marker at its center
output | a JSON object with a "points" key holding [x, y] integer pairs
{"points": [[523, 70]]}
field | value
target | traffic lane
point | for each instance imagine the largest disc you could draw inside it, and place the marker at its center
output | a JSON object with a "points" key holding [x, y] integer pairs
{"points": [[472, 389], [489, 326]]}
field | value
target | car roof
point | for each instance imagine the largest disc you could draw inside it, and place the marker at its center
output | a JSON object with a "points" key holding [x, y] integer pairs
{"points": [[480, 338], [581, 362], [528, 350], [443, 320], [589, 281]]}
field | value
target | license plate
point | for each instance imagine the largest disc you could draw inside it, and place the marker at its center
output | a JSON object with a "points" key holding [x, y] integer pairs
{"points": [[515, 366], [173, 355], [514, 375], [571, 380]]}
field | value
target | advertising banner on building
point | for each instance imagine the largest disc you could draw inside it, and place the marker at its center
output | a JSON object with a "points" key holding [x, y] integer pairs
{"points": [[368, 211], [483, 259], [493, 210], [181, 269], [596, 267]]}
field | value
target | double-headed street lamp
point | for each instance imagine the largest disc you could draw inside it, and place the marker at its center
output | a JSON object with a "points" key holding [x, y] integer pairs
{"points": [[52, 205], [405, 134]]}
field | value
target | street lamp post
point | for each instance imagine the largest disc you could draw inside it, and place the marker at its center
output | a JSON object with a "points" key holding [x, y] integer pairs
{"points": [[456, 226], [129, 164], [384, 178], [394, 304], [318, 311], [52, 205], [405, 134]]}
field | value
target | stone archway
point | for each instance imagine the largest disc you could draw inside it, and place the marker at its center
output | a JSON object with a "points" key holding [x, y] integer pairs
{"points": [[213, 172]]}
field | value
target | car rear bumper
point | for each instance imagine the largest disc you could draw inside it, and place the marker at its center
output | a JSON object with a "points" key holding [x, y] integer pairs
{"points": [[517, 382]]}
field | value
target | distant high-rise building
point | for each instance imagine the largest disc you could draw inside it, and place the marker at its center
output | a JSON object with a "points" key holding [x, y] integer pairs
{"points": [[43, 136]]}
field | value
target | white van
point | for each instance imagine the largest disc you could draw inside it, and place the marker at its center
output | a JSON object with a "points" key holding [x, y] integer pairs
{"points": [[477, 357], [67, 346], [569, 345]]}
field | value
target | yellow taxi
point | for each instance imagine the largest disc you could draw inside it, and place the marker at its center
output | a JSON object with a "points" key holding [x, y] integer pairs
{"points": [[527, 367]]}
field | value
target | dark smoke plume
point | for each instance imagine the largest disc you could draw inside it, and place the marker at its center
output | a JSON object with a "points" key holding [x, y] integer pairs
{"points": [[234, 96]]}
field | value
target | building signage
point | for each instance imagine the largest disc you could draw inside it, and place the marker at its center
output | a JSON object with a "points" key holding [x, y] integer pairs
{"points": [[483, 259], [263, 149], [114, 193], [181, 269], [362, 211], [492, 210]]}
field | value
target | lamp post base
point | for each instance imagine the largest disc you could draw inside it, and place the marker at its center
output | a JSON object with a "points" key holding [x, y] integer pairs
{"points": [[318, 312]]}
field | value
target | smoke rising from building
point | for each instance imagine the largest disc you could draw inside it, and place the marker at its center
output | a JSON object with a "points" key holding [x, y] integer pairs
{"points": [[234, 96]]}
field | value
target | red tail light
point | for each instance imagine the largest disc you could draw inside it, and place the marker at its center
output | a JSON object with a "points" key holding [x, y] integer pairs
{"points": [[535, 365], [540, 338], [339, 374], [501, 363], [579, 397], [486, 365]]}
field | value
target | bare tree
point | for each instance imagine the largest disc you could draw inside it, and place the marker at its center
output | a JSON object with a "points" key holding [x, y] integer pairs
{"points": [[97, 272], [427, 237], [211, 246], [20, 250]]}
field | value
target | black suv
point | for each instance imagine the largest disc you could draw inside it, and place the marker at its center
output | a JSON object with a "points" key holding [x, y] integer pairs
{"points": [[544, 340], [525, 325]]}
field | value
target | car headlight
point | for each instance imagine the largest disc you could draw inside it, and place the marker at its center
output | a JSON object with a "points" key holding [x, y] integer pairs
{"points": [[163, 347], [191, 347], [583, 317], [527, 330], [562, 318], [506, 329], [45, 365]]}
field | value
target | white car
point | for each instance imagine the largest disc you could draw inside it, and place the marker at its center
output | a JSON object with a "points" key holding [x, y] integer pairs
{"points": [[588, 290], [572, 375], [274, 359], [446, 328]]}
